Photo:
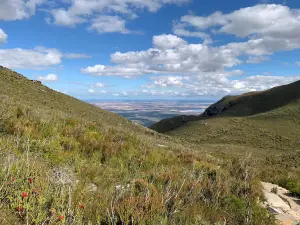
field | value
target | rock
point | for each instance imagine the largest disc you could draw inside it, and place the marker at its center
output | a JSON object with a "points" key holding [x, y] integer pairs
{"points": [[36, 81], [285, 208], [276, 203]]}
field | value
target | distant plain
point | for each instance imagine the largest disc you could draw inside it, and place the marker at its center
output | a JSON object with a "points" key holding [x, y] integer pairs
{"points": [[148, 112]]}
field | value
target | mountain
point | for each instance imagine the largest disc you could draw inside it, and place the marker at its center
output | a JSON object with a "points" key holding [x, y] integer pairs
{"points": [[255, 102], [265, 125], [244, 105], [63, 161]]}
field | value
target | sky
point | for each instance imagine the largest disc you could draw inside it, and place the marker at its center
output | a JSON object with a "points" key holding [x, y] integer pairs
{"points": [[152, 49]]}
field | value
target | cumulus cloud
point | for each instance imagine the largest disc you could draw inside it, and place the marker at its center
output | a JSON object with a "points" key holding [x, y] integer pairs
{"points": [[170, 55], [208, 85], [39, 57], [102, 70], [209, 67], [180, 31], [263, 19], [269, 27], [3, 36], [167, 81], [63, 18], [18, 9], [91, 91], [257, 59], [49, 77], [268, 32], [104, 15], [96, 86], [109, 24], [168, 41], [99, 85]]}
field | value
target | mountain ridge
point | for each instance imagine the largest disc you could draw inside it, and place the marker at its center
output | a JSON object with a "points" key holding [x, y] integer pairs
{"points": [[247, 104]]}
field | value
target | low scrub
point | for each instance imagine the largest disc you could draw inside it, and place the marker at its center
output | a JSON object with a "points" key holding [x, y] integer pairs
{"points": [[66, 170]]}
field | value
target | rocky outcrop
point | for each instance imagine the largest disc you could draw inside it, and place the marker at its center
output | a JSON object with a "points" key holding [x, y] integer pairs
{"points": [[285, 207]]}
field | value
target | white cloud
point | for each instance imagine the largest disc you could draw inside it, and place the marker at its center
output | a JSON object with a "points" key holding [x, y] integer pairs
{"points": [[186, 33], [18, 9], [179, 58], [105, 14], [102, 70], [269, 27], [260, 83], [3, 36], [206, 66], [91, 91], [99, 85], [49, 77], [263, 19], [76, 56], [257, 59], [39, 57], [124, 93], [298, 63], [167, 41], [166, 81], [219, 85], [173, 55], [266, 20], [203, 23], [63, 18], [109, 24]]}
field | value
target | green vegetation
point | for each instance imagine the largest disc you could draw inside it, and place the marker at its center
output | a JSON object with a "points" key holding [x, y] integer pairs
{"points": [[265, 124], [66, 162]]}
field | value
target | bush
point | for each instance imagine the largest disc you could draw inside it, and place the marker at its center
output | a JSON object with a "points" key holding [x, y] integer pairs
{"points": [[274, 190], [292, 185]]}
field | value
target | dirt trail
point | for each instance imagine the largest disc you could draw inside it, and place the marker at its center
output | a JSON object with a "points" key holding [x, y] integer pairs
{"points": [[285, 207]]}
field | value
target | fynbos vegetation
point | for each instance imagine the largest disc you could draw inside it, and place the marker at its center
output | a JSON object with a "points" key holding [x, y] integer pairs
{"points": [[80, 165]]}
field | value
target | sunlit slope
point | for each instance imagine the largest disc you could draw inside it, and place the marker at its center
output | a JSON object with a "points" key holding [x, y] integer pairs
{"points": [[37, 96]]}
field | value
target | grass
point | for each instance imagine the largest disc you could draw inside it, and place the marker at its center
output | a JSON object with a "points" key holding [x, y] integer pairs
{"points": [[265, 124], [66, 162]]}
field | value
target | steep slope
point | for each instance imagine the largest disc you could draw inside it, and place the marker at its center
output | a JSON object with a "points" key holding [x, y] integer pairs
{"points": [[37, 96], [63, 161], [255, 102], [244, 105]]}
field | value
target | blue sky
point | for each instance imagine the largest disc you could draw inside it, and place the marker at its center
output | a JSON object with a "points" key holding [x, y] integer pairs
{"points": [[111, 49]]}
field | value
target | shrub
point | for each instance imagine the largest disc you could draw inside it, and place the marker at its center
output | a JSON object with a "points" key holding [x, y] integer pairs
{"points": [[274, 190]]}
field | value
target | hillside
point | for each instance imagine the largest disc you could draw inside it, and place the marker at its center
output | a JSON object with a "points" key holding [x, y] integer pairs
{"points": [[263, 124], [63, 161], [35, 95], [244, 105]]}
